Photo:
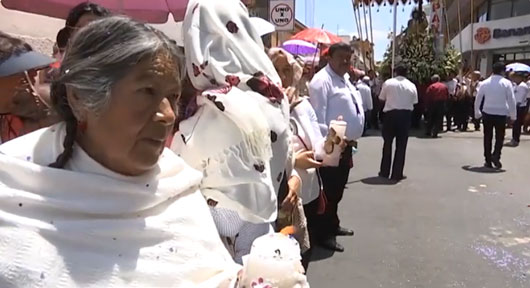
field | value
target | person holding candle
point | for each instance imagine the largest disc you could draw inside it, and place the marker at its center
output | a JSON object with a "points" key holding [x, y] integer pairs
{"points": [[333, 97]]}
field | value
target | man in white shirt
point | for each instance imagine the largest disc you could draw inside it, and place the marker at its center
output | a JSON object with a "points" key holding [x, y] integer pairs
{"points": [[496, 95], [451, 84], [366, 94], [400, 95], [332, 95], [375, 85], [474, 84], [521, 91]]}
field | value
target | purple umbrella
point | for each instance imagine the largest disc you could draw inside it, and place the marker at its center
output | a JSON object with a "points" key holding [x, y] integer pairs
{"points": [[299, 47]]}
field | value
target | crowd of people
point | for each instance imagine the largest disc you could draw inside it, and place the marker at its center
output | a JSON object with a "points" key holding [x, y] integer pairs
{"points": [[498, 102], [128, 160]]}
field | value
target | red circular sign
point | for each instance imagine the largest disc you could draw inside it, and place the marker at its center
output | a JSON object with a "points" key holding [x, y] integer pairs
{"points": [[483, 35]]}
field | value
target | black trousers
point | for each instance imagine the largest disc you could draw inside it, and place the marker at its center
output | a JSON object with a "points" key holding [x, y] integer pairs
{"points": [[376, 111], [396, 124], [334, 181], [449, 113], [435, 115], [311, 214], [476, 122], [497, 123], [367, 124], [416, 117], [461, 113], [518, 124]]}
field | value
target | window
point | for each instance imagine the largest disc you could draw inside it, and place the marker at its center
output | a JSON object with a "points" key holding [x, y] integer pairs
{"points": [[521, 7], [482, 15], [500, 9]]}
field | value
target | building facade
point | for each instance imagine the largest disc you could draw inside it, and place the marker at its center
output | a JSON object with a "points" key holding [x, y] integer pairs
{"points": [[260, 8], [490, 31]]}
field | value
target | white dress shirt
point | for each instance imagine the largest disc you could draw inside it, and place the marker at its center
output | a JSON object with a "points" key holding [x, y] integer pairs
{"points": [[451, 86], [332, 96], [399, 94], [521, 94], [366, 95], [528, 84], [498, 96]]}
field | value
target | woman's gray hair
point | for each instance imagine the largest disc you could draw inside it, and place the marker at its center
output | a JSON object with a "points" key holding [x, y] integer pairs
{"points": [[104, 52], [100, 55]]}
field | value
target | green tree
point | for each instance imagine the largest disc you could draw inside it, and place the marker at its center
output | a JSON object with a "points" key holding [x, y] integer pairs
{"points": [[415, 49]]}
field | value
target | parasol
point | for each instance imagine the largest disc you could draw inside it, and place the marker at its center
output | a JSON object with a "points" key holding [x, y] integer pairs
{"points": [[317, 36], [299, 47], [152, 11], [518, 67]]}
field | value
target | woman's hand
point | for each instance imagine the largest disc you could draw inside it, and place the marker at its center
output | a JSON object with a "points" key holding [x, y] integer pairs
{"points": [[306, 160], [291, 200]]}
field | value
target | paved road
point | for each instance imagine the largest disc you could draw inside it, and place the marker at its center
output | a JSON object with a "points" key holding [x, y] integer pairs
{"points": [[447, 225]]}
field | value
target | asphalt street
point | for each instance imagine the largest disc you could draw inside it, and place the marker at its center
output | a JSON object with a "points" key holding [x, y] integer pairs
{"points": [[450, 224]]}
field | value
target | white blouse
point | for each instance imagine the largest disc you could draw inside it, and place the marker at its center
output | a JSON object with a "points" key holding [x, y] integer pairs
{"points": [[307, 137]]}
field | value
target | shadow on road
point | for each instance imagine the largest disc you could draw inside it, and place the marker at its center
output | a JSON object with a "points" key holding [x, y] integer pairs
{"points": [[482, 169], [320, 253], [378, 181]]}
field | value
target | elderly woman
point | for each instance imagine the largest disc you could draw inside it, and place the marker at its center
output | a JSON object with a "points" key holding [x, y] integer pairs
{"points": [[237, 131], [96, 200], [307, 139]]}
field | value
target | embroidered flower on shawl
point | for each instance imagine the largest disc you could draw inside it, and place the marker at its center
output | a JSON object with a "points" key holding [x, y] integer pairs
{"points": [[260, 167], [217, 104], [232, 80], [262, 84], [260, 284], [211, 202], [274, 137], [232, 27], [196, 70]]}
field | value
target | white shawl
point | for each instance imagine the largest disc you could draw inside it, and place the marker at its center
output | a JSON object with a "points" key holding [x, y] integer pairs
{"points": [[89, 227], [236, 131]]}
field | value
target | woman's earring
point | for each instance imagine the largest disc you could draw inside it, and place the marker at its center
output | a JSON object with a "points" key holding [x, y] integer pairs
{"points": [[81, 125]]}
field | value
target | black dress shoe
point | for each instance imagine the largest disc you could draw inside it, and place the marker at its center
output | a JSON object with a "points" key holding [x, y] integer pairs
{"points": [[398, 179], [341, 231], [488, 165], [332, 245], [497, 164], [383, 175]]}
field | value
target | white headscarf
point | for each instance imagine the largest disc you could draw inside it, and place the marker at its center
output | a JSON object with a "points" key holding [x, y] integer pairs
{"points": [[221, 41], [241, 105]]}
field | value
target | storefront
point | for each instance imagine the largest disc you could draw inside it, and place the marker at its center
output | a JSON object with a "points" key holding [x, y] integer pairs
{"points": [[506, 40]]}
